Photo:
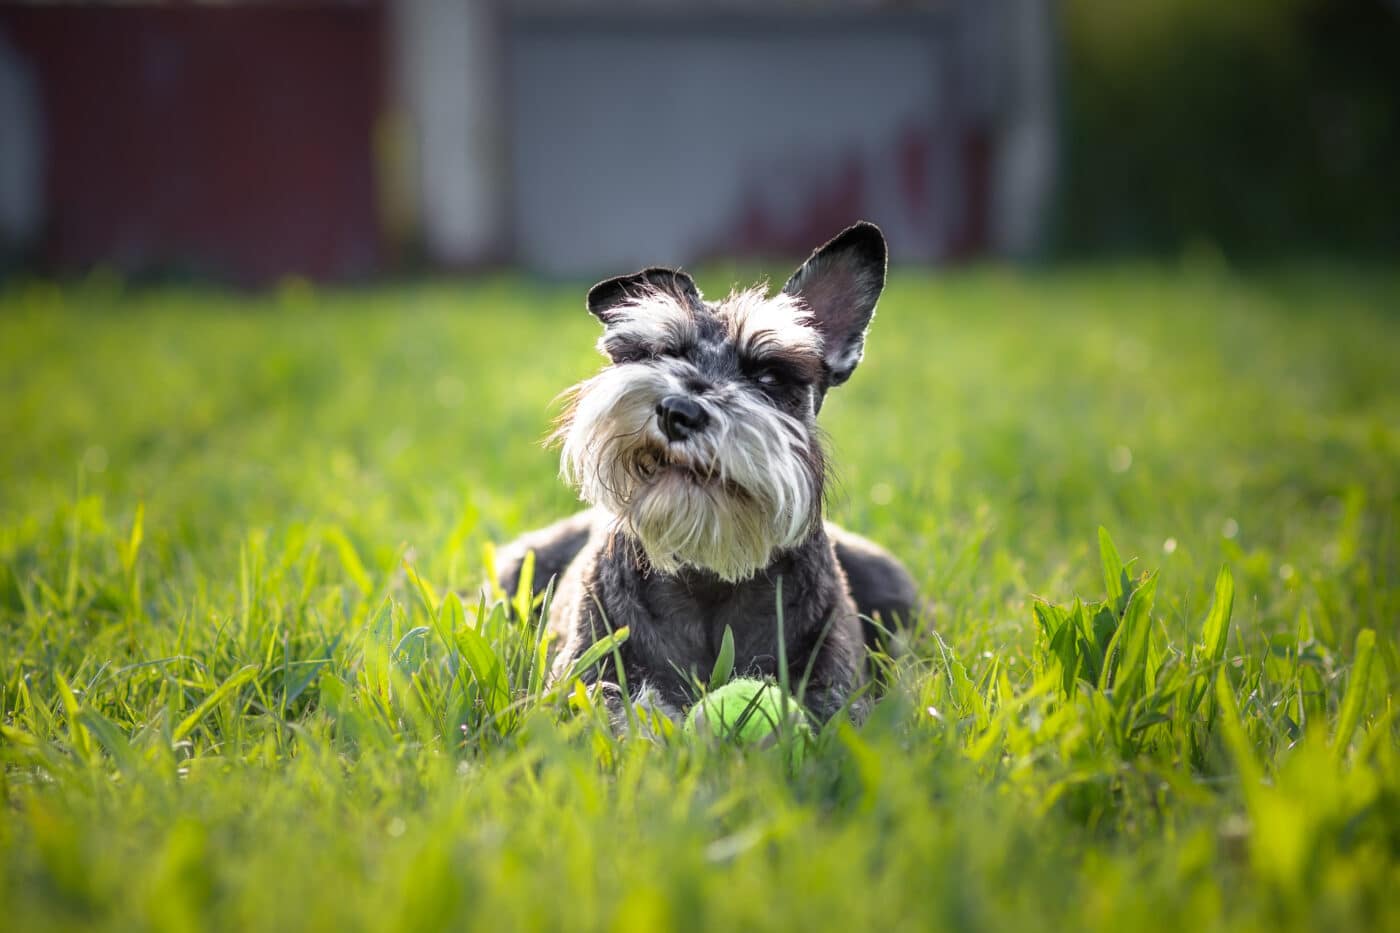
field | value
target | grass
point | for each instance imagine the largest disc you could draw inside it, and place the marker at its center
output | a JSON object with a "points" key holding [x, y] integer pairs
{"points": [[239, 693]]}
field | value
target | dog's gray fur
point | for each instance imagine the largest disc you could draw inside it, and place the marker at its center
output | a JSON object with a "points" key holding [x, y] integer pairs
{"points": [[699, 452]]}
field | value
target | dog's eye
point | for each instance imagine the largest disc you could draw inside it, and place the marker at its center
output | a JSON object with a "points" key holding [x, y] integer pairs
{"points": [[775, 375]]}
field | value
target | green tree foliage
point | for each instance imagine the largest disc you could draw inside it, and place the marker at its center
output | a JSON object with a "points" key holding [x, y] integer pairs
{"points": [[1259, 126]]}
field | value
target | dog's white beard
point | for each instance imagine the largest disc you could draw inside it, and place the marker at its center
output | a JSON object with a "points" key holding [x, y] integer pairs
{"points": [[753, 491]]}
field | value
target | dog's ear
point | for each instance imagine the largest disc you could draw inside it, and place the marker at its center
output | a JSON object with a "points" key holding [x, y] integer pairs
{"points": [[840, 284], [607, 295]]}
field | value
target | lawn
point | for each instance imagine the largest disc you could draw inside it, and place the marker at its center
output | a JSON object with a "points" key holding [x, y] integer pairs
{"points": [[238, 691]]}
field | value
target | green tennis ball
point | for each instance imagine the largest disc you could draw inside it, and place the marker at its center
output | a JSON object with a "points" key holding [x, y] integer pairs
{"points": [[749, 712]]}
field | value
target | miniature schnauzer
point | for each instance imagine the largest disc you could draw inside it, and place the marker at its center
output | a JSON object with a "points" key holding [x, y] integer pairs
{"points": [[698, 450]]}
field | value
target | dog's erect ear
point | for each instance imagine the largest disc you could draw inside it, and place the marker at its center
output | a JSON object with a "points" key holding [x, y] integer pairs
{"points": [[840, 284], [607, 295]]}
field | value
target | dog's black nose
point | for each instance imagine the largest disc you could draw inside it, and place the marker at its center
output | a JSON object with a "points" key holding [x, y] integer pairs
{"points": [[680, 417]]}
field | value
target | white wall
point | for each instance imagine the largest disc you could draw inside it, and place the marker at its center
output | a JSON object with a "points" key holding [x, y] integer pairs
{"points": [[581, 137], [651, 143]]}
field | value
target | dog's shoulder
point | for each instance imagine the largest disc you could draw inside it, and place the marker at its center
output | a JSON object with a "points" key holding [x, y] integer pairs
{"points": [[878, 582], [554, 546]]}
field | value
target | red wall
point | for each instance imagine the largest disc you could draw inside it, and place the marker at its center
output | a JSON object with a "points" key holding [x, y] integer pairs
{"points": [[228, 142]]}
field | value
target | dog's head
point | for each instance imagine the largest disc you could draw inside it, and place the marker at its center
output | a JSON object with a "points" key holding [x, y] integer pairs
{"points": [[701, 433]]}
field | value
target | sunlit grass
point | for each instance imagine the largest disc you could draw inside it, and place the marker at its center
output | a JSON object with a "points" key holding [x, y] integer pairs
{"points": [[240, 689]]}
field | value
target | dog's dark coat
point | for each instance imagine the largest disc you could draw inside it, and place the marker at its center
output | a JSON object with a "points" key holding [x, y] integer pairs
{"points": [[679, 619], [676, 620]]}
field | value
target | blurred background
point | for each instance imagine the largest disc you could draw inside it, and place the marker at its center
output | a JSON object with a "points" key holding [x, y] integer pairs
{"points": [[348, 141]]}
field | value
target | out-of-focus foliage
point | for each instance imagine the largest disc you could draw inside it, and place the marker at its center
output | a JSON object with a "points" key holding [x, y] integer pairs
{"points": [[1260, 126]]}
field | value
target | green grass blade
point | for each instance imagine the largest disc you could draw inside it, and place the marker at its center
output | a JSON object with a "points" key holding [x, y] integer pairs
{"points": [[524, 588], [110, 737], [1354, 701], [76, 734], [487, 669], [1215, 634], [597, 651], [1237, 740], [1113, 574], [724, 661], [1217, 627], [350, 560], [1130, 678], [238, 679]]}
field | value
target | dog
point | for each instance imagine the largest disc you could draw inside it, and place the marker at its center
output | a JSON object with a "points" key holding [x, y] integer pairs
{"points": [[698, 451]]}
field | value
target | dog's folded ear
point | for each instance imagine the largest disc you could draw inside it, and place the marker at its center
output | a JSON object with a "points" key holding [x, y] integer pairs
{"points": [[605, 297], [839, 284]]}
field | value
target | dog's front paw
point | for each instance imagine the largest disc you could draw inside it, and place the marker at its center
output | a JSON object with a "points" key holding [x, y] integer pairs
{"points": [[650, 715]]}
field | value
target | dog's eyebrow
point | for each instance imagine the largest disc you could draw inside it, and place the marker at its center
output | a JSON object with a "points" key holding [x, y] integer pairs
{"points": [[761, 326], [655, 320]]}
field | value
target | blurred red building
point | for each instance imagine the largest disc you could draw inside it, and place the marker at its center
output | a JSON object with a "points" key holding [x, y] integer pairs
{"points": [[231, 142], [338, 141]]}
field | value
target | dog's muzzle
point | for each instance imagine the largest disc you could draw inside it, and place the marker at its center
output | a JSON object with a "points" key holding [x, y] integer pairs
{"points": [[721, 483]]}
